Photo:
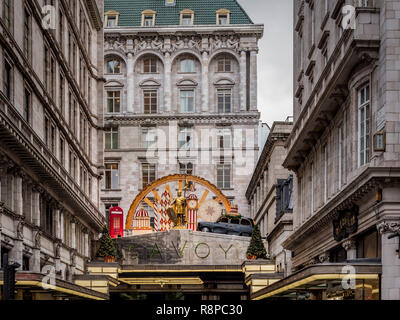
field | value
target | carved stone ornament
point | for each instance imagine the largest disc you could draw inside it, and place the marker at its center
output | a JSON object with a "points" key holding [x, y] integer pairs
{"points": [[323, 257], [388, 227], [37, 239], [20, 230], [57, 250], [346, 223], [349, 244]]}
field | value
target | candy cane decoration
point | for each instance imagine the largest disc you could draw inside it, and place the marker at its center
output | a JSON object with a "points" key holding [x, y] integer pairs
{"points": [[163, 211], [156, 216]]}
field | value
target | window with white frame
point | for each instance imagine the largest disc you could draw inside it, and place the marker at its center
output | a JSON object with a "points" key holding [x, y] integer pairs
{"points": [[148, 174], [111, 138], [113, 66], [113, 101], [187, 17], [112, 176], [224, 138], [187, 65], [186, 168], [149, 137], [149, 65], [364, 125], [185, 138], [187, 100], [224, 98], [148, 18], [223, 17], [224, 64], [150, 98], [224, 173]]}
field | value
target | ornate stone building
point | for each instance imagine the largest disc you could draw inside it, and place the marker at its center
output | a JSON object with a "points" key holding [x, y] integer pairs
{"points": [[344, 151], [181, 96], [51, 150], [270, 195]]}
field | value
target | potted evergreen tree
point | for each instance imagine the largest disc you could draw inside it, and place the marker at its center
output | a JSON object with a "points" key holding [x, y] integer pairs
{"points": [[107, 248], [256, 249]]}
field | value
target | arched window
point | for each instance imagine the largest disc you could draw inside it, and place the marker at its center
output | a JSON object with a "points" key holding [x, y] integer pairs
{"points": [[113, 66]]}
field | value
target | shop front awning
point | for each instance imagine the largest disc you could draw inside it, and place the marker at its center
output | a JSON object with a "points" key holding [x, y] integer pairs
{"points": [[318, 277]]}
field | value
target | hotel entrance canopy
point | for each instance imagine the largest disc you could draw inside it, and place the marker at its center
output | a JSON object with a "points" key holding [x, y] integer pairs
{"points": [[355, 280]]}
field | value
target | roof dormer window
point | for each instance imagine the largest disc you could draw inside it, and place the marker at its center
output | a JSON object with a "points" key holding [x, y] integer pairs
{"points": [[148, 18], [187, 17], [111, 19], [223, 16]]}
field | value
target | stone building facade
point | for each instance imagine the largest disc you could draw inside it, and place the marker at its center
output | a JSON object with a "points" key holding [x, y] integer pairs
{"points": [[270, 195], [51, 150], [344, 150], [181, 96]]}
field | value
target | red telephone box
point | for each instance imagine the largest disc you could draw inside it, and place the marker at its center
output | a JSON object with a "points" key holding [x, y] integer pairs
{"points": [[116, 222]]}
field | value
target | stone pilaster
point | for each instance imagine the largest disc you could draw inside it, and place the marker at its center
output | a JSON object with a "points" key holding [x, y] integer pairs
{"points": [[131, 84], [243, 81], [86, 243], [16, 253], [62, 236], [204, 82], [18, 200], [253, 80], [57, 225], [167, 83], [390, 260]]}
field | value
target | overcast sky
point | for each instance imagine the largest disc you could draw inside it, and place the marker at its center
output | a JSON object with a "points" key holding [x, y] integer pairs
{"points": [[275, 59]]}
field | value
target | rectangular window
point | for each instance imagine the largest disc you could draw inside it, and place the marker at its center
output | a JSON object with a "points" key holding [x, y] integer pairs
{"points": [[148, 21], [186, 168], [62, 151], [150, 101], [111, 138], [223, 19], [187, 101], [27, 106], [224, 65], [224, 138], [187, 65], [7, 79], [111, 21], [224, 100], [148, 174], [185, 138], [112, 176], [149, 137], [61, 94], [27, 34], [224, 176], [113, 101], [187, 19], [150, 65], [364, 125]]}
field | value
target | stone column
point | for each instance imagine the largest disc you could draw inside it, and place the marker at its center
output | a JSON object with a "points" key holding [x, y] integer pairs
{"points": [[36, 190], [3, 183], [351, 248], [56, 217], [36, 252], [390, 260], [86, 243], [167, 83], [131, 84], [73, 233], [62, 236], [243, 81], [205, 107], [18, 200], [253, 80]]}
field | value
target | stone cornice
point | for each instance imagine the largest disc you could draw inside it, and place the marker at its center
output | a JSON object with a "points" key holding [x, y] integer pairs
{"points": [[200, 118], [95, 16], [368, 180], [241, 29]]}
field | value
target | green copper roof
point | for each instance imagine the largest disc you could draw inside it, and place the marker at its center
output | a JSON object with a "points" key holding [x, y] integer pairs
{"points": [[204, 11]]}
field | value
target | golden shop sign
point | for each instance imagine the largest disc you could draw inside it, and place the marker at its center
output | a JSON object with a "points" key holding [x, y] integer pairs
{"points": [[346, 223]]}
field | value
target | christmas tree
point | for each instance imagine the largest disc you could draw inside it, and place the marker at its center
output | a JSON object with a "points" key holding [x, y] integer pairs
{"points": [[107, 246], [256, 248]]}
